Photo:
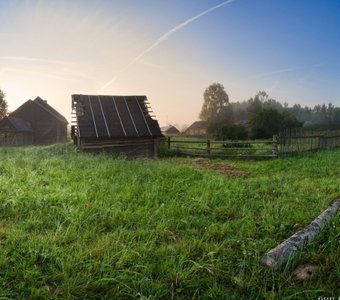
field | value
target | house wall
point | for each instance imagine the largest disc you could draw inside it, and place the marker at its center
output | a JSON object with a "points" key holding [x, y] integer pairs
{"points": [[171, 133], [166, 133], [16, 138], [196, 131], [46, 128]]}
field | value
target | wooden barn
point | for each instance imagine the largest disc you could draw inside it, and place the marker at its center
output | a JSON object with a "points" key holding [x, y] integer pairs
{"points": [[35, 122], [122, 124], [15, 132]]}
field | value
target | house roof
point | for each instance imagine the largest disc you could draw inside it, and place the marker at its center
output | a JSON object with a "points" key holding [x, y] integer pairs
{"points": [[171, 130], [18, 124], [43, 104], [198, 125], [38, 102], [114, 116]]}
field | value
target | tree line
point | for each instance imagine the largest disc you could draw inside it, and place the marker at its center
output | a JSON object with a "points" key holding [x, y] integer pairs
{"points": [[261, 116]]}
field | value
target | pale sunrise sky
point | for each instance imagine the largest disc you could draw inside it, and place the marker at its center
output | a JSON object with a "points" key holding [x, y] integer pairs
{"points": [[170, 51]]}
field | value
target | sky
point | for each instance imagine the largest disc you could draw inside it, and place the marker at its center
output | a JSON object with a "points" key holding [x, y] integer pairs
{"points": [[170, 51]]}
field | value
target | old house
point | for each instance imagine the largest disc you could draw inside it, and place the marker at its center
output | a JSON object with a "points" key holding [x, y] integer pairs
{"points": [[35, 122], [15, 132], [122, 124], [197, 128], [170, 130]]}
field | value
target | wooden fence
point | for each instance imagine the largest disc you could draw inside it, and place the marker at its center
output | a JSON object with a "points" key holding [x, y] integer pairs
{"points": [[290, 142], [287, 143], [212, 148]]}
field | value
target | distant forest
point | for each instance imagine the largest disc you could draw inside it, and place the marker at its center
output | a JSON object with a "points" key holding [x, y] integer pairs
{"points": [[320, 117], [261, 116]]}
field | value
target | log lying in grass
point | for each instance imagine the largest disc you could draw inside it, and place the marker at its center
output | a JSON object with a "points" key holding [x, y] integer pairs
{"points": [[280, 254]]}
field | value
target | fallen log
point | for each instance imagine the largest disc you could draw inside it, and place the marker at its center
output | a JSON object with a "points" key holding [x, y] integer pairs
{"points": [[280, 254]]}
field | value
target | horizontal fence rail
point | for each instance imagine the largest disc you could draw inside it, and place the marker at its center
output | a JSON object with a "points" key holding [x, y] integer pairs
{"points": [[209, 148], [286, 143]]}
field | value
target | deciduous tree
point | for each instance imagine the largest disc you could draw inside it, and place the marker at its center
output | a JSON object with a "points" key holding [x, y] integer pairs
{"points": [[215, 101], [270, 121]]}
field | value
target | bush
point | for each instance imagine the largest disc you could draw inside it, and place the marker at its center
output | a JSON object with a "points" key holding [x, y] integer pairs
{"points": [[270, 121], [231, 132]]}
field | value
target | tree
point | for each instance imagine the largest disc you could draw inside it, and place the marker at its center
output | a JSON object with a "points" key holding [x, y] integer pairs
{"points": [[266, 123], [289, 120], [262, 96], [3, 105], [255, 104], [270, 121], [335, 118], [216, 100], [231, 132], [260, 101]]}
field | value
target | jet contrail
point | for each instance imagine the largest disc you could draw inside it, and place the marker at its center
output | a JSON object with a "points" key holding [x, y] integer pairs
{"points": [[163, 38]]}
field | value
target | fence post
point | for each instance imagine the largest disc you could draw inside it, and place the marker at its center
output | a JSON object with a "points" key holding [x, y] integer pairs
{"points": [[275, 146], [322, 142], [169, 142], [208, 147]]}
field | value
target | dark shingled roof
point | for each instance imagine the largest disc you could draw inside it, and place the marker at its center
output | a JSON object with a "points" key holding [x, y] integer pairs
{"points": [[20, 124], [43, 104], [114, 116], [17, 123]]}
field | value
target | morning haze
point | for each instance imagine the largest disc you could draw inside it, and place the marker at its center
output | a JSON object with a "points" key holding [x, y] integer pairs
{"points": [[170, 51]]}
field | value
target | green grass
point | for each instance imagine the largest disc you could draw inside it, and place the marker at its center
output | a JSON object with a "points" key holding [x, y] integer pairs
{"points": [[75, 225]]}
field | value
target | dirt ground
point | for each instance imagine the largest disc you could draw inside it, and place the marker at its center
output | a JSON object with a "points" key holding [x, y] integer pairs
{"points": [[224, 169]]}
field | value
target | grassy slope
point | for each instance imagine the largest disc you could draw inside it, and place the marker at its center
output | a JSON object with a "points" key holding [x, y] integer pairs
{"points": [[83, 226]]}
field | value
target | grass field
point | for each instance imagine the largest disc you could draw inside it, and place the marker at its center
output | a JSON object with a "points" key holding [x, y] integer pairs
{"points": [[74, 225]]}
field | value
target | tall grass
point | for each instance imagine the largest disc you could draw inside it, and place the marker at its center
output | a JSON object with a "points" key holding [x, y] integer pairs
{"points": [[75, 225]]}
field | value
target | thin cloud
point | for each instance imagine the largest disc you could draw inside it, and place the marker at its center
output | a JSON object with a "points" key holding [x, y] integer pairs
{"points": [[288, 70], [275, 72], [37, 74], [39, 60], [163, 38], [4, 34], [70, 70]]}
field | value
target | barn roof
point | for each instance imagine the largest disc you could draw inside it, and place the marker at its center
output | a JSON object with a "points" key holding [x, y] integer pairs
{"points": [[114, 116], [17, 123], [20, 124], [43, 104], [38, 102]]}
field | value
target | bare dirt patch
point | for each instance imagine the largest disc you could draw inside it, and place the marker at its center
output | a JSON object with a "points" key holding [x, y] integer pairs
{"points": [[221, 168], [304, 272]]}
